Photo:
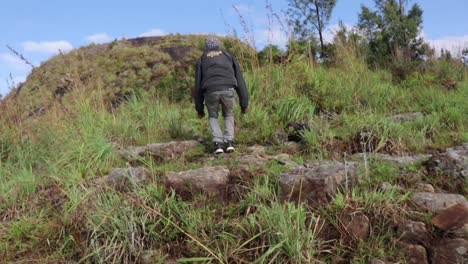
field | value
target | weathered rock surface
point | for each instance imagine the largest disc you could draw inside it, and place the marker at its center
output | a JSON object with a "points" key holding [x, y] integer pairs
{"points": [[453, 163], [160, 151], [451, 251], [413, 232], [453, 217], [123, 178], [424, 187], [414, 254], [317, 181], [258, 160], [357, 225], [461, 232], [211, 181], [376, 261], [400, 161], [434, 202], [407, 116]]}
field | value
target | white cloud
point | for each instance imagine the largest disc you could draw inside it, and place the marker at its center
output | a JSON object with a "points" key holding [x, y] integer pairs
{"points": [[98, 38], [48, 47], [13, 62], [153, 33], [331, 31], [455, 44], [274, 36]]}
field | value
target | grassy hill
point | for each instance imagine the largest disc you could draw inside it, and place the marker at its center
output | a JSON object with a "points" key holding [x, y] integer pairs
{"points": [[64, 127]]}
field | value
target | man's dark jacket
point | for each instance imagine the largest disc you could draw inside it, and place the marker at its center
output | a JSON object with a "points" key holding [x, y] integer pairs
{"points": [[217, 70]]}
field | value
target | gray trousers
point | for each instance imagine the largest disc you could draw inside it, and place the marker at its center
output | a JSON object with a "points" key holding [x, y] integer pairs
{"points": [[225, 99]]}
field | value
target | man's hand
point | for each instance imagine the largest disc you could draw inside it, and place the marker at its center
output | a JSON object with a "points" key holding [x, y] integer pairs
{"points": [[244, 110], [201, 115]]}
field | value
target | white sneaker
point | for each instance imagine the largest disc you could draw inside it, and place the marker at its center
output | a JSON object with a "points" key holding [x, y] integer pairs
{"points": [[218, 148]]}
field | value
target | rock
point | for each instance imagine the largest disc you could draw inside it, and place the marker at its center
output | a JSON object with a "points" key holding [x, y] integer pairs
{"points": [[122, 179], [293, 147], [413, 232], [259, 160], [424, 187], [317, 181], [251, 159], [400, 161], [451, 251], [413, 254], [407, 117], [160, 151], [211, 181], [453, 217], [453, 163], [257, 149], [376, 261], [461, 232], [357, 225], [403, 160], [434, 202], [410, 177]]}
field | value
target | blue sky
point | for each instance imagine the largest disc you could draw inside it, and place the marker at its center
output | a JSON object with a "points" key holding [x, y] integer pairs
{"points": [[38, 29]]}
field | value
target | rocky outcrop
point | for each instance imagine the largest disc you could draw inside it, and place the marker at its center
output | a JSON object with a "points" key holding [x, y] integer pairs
{"points": [[434, 202], [317, 181], [454, 217], [160, 151], [451, 251], [411, 231], [401, 161], [211, 181], [413, 253], [453, 163]]}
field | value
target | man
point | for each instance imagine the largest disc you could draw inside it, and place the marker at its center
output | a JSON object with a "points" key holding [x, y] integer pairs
{"points": [[217, 78]]}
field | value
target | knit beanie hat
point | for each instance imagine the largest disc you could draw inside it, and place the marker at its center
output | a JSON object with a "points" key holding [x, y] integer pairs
{"points": [[212, 43]]}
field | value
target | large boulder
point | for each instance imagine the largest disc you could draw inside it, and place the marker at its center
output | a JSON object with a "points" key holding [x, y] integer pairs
{"points": [[211, 181], [434, 202], [454, 217], [452, 163], [450, 251], [413, 232], [124, 178], [317, 181], [160, 151], [413, 253]]}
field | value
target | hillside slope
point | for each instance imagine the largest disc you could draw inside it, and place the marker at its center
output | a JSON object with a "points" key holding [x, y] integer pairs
{"points": [[115, 71]]}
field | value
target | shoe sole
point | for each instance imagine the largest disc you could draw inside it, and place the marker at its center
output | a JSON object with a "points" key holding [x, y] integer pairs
{"points": [[219, 151], [230, 149]]}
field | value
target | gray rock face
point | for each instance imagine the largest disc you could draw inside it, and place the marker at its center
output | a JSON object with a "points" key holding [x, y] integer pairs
{"points": [[413, 232], [407, 117], [160, 151], [451, 251], [124, 178], [316, 181], [414, 254], [434, 202], [453, 163], [211, 181]]}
